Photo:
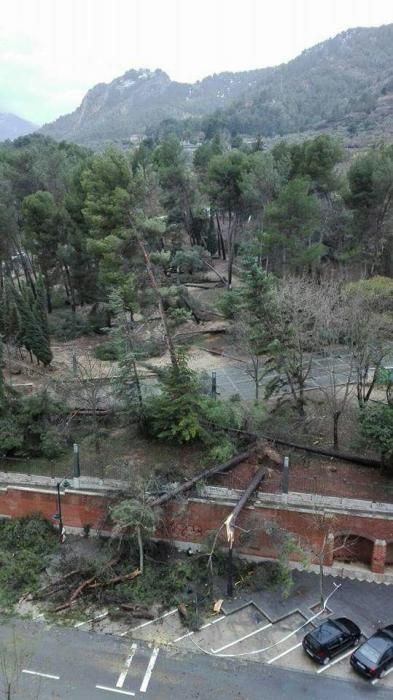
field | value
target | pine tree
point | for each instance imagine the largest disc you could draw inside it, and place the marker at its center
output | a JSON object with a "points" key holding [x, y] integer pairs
{"points": [[40, 313], [33, 334]]}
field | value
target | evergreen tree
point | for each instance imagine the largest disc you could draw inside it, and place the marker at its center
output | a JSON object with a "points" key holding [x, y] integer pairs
{"points": [[2, 387]]}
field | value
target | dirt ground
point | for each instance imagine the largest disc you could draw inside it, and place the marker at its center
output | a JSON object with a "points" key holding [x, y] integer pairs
{"points": [[320, 475]]}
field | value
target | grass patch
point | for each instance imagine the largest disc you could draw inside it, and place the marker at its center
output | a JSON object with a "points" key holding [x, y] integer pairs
{"points": [[123, 453]]}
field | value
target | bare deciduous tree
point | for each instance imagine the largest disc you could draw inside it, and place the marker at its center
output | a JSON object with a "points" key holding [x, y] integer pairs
{"points": [[86, 386]]}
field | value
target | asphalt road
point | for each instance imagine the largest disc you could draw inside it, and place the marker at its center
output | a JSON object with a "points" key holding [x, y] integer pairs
{"points": [[68, 664], [235, 379]]}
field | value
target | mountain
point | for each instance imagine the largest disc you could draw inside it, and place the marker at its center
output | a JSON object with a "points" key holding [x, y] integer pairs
{"points": [[343, 83], [141, 99], [12, 126], [346, 82]]}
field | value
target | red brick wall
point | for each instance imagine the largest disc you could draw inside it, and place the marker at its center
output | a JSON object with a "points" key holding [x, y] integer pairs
{"points": [[193, 521], [78, 509]]}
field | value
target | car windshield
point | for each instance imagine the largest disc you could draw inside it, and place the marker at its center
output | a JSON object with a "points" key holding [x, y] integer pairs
{"points": [[326, 632], [374, 648]]}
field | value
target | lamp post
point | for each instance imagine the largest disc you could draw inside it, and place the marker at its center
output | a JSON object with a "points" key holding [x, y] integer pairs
{"points": [[58, 515]]}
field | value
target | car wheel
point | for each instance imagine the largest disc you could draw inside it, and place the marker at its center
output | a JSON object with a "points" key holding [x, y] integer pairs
{"points": [[326, 661]]}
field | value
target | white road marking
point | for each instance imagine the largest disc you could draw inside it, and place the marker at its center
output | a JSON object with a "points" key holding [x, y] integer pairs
{"points": [[213, 622], [251, 634], [93, 619], [123, 675], [284, 653], [339, 658], [149, 670], [375, 680], [150, 622], [115, 690], [42, 675]]}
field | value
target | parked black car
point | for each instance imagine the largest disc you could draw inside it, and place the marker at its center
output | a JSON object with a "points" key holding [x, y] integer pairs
{"points": [[374, 657], [331, 638]]}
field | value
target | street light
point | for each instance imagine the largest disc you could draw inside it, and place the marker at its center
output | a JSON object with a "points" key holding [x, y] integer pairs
{"points": [[58, 515]]}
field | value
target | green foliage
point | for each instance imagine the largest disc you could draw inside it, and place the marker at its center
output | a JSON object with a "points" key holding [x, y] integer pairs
{"points": [[225, 180], [291, 221], [181, 412], [220, 414], [64, 325], [132, 513], [222, 451], [27, 426], [178, 316], [376, 424], [11, 438], [229, 303], [371, 184], [25, 547], [317, 158], [108, 351], [189, 261]]}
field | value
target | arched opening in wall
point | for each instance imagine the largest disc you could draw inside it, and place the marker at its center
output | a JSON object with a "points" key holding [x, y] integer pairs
{"points": [[389, 553], [352, 548]]}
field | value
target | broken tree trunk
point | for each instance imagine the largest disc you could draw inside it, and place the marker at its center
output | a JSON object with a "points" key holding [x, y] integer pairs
{"points": [[116, 579], [213, 269], [162, 312], [231, 521]]}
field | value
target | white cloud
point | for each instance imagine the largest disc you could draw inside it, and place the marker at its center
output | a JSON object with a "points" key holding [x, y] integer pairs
{"points": [[52, 51]]}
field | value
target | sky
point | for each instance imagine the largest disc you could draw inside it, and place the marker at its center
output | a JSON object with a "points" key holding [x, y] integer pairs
{"points": [[53, 51]]}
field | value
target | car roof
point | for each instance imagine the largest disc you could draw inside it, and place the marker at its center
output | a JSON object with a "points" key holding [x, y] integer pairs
{"points": [[388, 630], [328, 629]]}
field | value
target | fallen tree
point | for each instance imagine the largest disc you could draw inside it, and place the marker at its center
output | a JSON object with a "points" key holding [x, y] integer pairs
{"points": [[202, 476]]}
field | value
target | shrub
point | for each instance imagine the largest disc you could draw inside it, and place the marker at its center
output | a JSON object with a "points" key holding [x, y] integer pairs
{"points": [[189, 260], [222, 452], [228, 303], [376, 423], [179, 315], [64, 325], [378, 291], [108, 351]]}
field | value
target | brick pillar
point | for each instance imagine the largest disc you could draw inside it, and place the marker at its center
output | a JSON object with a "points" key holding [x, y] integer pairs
{"points": [[329, 550], [378, 557]]}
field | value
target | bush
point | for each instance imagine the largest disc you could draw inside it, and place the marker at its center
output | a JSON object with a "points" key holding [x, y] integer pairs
{"points": [[222, 452], [107, 351], [228, 303], [376, 423], [378, 291], [179, 315], [189, 260], [64, 325], [26, 427]]}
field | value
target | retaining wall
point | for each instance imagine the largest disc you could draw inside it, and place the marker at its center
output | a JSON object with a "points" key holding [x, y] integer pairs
{"points": [[319, 523]]}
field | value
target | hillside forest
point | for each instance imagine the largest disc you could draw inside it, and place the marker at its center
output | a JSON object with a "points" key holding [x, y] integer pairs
{"points": [[278, 256]]}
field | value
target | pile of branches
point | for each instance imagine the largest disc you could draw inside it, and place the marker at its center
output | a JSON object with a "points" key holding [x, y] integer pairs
{"points": [[79, 583]]}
